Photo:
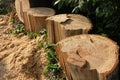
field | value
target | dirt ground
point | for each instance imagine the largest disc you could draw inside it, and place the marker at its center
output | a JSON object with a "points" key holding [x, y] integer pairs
{"points": [[20, 56]]}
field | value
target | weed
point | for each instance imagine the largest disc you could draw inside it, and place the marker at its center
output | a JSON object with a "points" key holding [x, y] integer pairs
{"points": [[44, 33], [40, 44], [18, 29], [12, 20], [5, 7], [32, 35], [53, 69]]}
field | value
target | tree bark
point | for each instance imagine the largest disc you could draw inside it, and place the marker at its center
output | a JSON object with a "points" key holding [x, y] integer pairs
{"points": [[87, 57], [34, 18], [65, 25], [21, 7]]}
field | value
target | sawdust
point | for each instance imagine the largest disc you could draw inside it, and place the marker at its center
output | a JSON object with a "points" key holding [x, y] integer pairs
{"points": [[20, 57]]}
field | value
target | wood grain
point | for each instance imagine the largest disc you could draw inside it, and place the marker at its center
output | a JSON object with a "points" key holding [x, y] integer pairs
{"points": [[87, 55], [66, 25]]}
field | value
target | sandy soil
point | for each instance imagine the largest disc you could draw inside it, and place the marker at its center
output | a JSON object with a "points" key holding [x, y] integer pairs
{"points": [[20, 57]]}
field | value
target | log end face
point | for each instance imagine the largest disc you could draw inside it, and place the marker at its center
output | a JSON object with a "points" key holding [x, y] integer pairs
{"points": [[61, 18], [100, 52], [41, 11], [75, 59]]}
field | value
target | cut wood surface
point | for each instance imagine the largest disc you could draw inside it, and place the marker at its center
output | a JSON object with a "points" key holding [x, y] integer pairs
{"points": [[80, 69], [21, 7], [34, 18], [65, 25], [87, 55]]}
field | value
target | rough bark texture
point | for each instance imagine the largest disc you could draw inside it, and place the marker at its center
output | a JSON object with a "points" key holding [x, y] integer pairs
{"points": [[21, 7], [84, 56], [34, 18], [65, 25]]}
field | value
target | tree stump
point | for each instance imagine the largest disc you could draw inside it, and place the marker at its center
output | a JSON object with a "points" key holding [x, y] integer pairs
{"points": [[87, 57], [21, 7], [65, 25], [34, 18]]}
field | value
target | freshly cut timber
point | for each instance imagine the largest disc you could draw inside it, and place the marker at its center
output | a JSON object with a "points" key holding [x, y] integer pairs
{"points": [[87, 57], [21, 7], [34, 18], [65, 25]]}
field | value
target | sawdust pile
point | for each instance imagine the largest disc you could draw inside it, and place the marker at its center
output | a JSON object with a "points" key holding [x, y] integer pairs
{"points": [[20, 57]]}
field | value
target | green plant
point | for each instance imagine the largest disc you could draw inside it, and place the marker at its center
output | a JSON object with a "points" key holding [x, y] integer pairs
{"points": [[103, 13], [4, 7], [53, 69], [74, 4], [32, 35], [44, 33], [12, 20], [18, 29], [40, 44]]}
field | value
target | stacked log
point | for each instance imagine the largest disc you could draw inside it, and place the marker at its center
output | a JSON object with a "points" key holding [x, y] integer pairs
{"points": [[87, 57], [65, 25]]}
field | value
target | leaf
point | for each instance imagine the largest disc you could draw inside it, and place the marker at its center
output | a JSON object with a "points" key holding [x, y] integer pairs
{"points": [[60, 4], [21, 29], [30, 35], [45, 37], [53, 66], [50, 46], [103, 34], [14, 32], [12, 20], [51, 57], [56, 2], [48, 56], [35, 35], [43, 31], [40, 44]]}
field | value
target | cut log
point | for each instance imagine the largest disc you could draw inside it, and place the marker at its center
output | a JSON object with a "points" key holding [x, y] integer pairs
{"points": [[34, 18], [65, 25], [80, 69], [87, 57], [21, 6]]}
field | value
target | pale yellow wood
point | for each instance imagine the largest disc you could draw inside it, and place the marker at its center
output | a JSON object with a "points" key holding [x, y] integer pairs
{"points": [[98, 52], [21, 6], [66, 25], [36, 18]]}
